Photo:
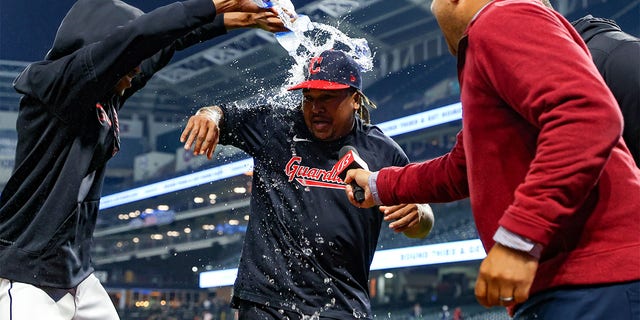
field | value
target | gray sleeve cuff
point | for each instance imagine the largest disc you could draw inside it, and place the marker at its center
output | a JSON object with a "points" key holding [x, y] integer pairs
{"points": [[373, 187], [515, 241]]}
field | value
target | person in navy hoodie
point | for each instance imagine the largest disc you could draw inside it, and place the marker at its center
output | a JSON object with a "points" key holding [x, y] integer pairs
{"points": [[307, 251], [616, 54], [103, 52]]}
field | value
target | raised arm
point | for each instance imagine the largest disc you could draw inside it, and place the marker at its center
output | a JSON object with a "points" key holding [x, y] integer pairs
{"points": [[265, 20]]}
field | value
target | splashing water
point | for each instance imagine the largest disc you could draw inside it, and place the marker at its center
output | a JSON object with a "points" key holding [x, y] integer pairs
{"points": [[308, 39], [303, 44], [358, 314]]}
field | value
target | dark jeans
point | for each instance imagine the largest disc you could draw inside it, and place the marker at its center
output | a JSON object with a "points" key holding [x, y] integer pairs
{"points": [[617, 301], [248, 310]]}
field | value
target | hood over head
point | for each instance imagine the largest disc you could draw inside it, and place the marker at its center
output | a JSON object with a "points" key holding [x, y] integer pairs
{"points": [[90, 21], [588, 26]]}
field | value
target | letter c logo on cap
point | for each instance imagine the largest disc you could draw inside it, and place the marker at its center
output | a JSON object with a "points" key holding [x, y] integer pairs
{"points": [[314, 65]]}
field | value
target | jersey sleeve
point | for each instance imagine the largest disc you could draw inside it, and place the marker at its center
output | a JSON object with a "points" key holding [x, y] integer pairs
{"points": [[249, 128], [90, 73]]}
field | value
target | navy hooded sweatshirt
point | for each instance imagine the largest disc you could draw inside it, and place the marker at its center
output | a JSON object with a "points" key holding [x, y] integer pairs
{"points": [[68, 128], [616, 54]]}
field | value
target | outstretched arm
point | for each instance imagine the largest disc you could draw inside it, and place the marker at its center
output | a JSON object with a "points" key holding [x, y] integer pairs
{"points": [[414, 220], [236, 6], [268, 21]]}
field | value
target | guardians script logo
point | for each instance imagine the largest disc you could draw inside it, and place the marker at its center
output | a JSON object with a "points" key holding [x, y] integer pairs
{"points": [[313, 177]]}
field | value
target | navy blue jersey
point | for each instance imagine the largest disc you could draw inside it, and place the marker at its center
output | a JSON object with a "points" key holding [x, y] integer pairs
{"points": [[614, 53], [307, 249]]}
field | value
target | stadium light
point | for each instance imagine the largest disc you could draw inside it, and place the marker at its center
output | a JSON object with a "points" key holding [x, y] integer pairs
{"points": [[458, 251], [418, 121]]}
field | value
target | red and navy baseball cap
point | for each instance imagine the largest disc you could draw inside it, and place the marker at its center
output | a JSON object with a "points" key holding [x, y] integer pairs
{"points": [[331, 70]]}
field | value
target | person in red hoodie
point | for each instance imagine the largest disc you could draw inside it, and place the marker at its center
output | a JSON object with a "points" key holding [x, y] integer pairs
{"points": [[554, 190]]}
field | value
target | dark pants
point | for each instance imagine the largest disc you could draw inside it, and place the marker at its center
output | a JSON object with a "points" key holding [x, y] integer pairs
{"points": [[252, 311], [618, 301]]}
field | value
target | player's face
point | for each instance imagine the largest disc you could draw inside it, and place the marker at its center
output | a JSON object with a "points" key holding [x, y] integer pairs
{"points": [[125, 82], [329, 114]]}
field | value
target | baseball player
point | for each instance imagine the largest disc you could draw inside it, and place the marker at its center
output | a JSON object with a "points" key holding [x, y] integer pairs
{"points": [[307, 251]]}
